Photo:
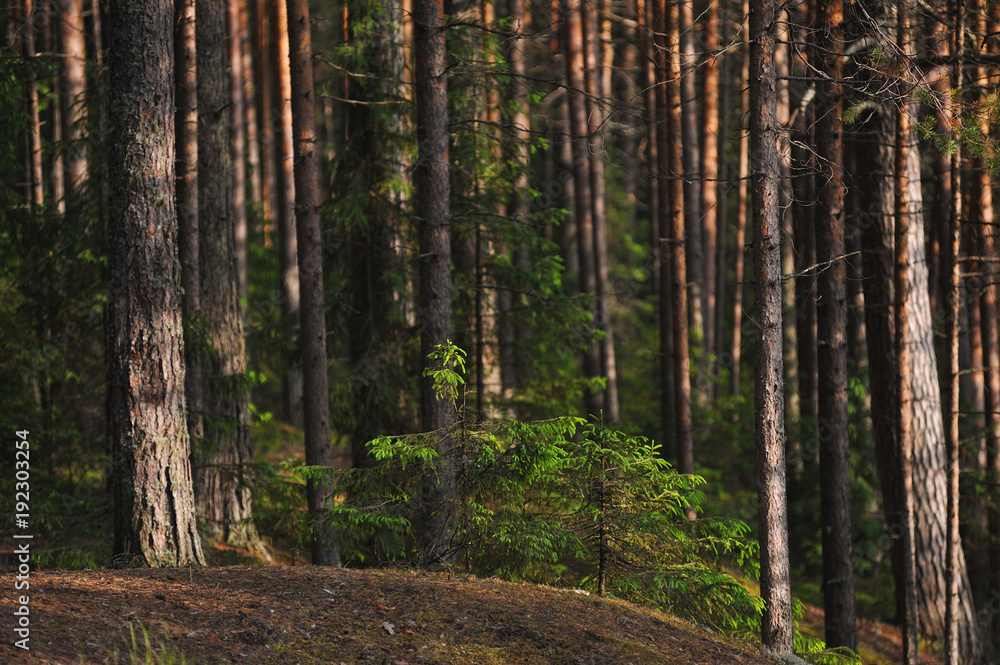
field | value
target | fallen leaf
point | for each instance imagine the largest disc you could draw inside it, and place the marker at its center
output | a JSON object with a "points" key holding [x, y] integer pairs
{"points": [[388, 627], [409, 632], [387, 609]]}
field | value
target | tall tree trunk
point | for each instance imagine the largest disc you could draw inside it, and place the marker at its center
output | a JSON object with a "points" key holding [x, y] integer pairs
{"points": [[929, 466], [430, 179], [709, 171], [73, 87], [292, 386], [602, 307], [722, 216], [268, 171], [647, 59], [983, 219], [316, 393], [668, 395], [237, 139], [186, 126], [688, 138], [517, 208], [742, 208], [903, 290], [782, 63], [675, 129], [873, 153], [835, 472], [582, 184], [250, 103], [221, 459], [769, 435], [35, 178], [154, 513]]}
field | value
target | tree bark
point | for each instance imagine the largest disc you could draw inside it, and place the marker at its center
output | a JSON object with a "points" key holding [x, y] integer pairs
{"points": [[222, 486], [154, 513], [835, 472], [316, 393], [430, 179], [769, 434]]}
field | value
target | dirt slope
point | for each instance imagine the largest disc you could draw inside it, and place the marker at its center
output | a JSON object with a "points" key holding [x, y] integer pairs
{"points": [[256, 615]]}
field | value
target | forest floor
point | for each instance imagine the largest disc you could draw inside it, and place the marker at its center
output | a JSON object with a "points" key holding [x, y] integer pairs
{"points": [[254, 615]]}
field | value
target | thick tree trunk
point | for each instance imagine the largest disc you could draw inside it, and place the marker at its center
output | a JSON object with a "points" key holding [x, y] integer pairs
{"points": [[769, 435], [222, 485], [430, 179], [929, 465], [835, 472], [73, 88], [291, 387], [316, 393], [154, 513]]}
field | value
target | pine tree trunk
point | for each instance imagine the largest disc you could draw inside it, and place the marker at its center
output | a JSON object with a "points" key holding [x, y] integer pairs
{"points": [[929, 465], [268, 161], [688, 137], [292, 386], [647, 59], [596, 92], [679, 235], [237, 139], [250, 103], [835, 473], [790, 331], [582, 183], [73, 88], [35, 179], [221, 459], [769, 435], [742, 208], [709, 170], [154, 512], [316, 393], [873, 154], [430, 179], [186, 124]]}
